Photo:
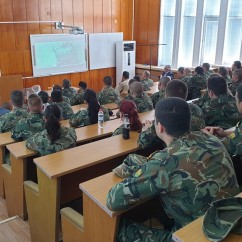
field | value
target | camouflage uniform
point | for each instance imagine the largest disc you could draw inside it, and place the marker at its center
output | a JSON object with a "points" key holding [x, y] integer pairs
{"points": [[202, 100], [157, 97], [185, 79], [187, 176], [70, 93], [195, 85], [148, 82], [149, 137], [81, 118], [145, 86], [109, 95], [208, 73], [79, 97], [9, 120], [221, 112], [41, 143], [33, 124], [66, 109], [233, 86]]}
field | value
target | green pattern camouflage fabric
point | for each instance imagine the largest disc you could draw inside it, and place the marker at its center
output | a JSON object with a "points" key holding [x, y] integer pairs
{"points": [[186, 79], [79, 97], [202, 100], [195, 85], [234, 86], [81, 118], [66, 109], [208, 73], [187, 176], [33, 124], [228, 79], [9, 120], [109, 95], [148, 82], [70, 93], [41, 143], [142, 102], [157, 97], [145, 86], [221, 112], [149, 137]]}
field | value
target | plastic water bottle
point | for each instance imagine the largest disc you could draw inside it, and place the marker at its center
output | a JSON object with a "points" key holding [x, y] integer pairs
{"points": [[126, 127], [100, 118]]}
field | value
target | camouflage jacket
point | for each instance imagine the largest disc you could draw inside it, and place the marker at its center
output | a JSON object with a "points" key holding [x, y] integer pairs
{"points": [[193, 171], [9, 120], [208, 73], [149, 138], [66, 109], [234, 86], [70, 93], [109, 95], [33, 124], [202, 100], [79, 99], [185, 79], [221, 112], [145, 86], [41, 143], [157, 97], [195, 85], [81, 118], [148, 82]]}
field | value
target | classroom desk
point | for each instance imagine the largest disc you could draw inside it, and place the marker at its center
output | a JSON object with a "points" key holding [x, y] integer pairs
{"points": [[153, 89], [21, 157], [59, 175], [50, 90], [78, 107]]}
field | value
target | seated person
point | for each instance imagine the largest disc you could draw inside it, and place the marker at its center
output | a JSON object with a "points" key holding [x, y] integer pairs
{"points": [[196, 83], [161, 93], [144, 84], [223, 72], [58, 87], [123, 86], [129, 107], [6, 108], [186, 76], [54, 137], [108, 93], [145, 79], [236, 80], [81, 91], [221, 109], [207, 71], [193, 171], [174, 88], [66, 110], [45, 98], [34, 122], [88, 116], [68, 91], [9, 120], [167, 72], [236, 65], [137, 95]]}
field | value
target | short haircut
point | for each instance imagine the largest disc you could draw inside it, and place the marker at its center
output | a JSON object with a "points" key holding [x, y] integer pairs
{"points": [[238, 73], [132, 81], [217, 85], [199, 70], [108, 81], [136, 88], [174, 114], [56, 96], [222, 71], [126, 75], [237, 64], [44, 96], [35, 103], [164, 80], [83, 85], [57, 87], [66, 83], [17, 98], [239, 93], [147, 74], [181, 69], [137, 78], [206, 66], [176, 88]]}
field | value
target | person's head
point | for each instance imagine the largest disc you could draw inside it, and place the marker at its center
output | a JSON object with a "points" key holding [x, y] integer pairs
{"points": [[238, 97], [163, 82], [172, 118], [35, 104], [206, 66], [83, 85], [44, 96], [66, 83], [36, 89], [199, 70], [17, 98], [136, 89], [167, 68], [137, 78], [236, 65], [181, 71], [56, 96], [131, 81], [176, 88], [216, 86], [145, 75], [222, 71], [187, 71], [108, 81], [90, 98], [52, 117], [130, 108], [125, 75], [57, 87], [237, 75]]}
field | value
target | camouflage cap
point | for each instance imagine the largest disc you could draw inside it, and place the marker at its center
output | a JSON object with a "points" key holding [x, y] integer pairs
{"points": [[223, 216]]}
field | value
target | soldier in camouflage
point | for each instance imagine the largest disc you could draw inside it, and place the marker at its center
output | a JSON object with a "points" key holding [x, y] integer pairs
{"points": [[145, 79], [68, 91], [144, 84], [193, 171], [223, 72], [81, 91], [236, 80], [186, 76], [174, 88], [34, 122], [56, 98], [9, 120], [55, 137], [108, 93], [207, 71], [221, 110], [58, 87]]}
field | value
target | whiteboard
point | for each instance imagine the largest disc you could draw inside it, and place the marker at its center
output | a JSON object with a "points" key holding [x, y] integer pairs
{"points": [[102, 49], [54, 54]]}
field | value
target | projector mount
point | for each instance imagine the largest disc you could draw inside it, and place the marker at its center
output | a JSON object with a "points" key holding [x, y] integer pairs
{"points": [[72, 29]]}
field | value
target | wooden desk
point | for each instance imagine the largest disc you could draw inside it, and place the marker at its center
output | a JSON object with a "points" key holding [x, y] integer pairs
{"points": [[59, 175], [78, 107]]}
